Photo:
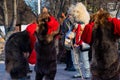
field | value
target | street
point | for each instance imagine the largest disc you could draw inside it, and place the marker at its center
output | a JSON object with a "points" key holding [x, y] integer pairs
{"points": [[60, 75]]}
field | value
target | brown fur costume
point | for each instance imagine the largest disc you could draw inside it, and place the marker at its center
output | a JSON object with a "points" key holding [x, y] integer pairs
{"points": [[17, 45], [45, 49], [105, 57]]}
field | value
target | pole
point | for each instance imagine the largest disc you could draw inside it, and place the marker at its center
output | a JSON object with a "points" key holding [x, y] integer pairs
{"points": [[78, 65], [39, 7]]}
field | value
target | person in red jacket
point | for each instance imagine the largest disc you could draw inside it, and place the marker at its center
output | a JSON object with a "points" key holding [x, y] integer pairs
{"points": [[79, 17]]}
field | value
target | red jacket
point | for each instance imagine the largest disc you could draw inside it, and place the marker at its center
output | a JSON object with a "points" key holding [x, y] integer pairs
{"points": [[87, 33], [116, 23], [78, 40], [31, 29]]}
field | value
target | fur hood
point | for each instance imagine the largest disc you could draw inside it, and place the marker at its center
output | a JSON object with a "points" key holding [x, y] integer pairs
{"points": [[79, 13]]}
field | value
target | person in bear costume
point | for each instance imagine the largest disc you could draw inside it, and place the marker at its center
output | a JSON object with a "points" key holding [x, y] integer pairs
{"points": [[102, 34], [17, 49], [46, 30]]}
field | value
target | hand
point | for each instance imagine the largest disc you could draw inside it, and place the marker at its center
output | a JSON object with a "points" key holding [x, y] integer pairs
{"points": [[26, 54], [75, 45]]}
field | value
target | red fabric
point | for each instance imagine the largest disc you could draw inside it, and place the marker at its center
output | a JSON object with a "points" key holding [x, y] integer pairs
{"points": [[87, 33], [78, 35], [32, 57], [116, 23], [31, 29], [53, 25]]}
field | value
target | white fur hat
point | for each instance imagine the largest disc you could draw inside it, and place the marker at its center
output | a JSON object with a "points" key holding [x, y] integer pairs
{"points": [[79, 12]]}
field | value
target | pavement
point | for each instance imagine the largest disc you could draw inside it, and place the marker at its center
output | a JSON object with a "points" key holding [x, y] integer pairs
{"points": [[60, 75]]}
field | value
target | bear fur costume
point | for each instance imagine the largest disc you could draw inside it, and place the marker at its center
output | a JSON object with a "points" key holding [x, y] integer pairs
{"points": [[102, 35], [17, 47], [45, 33]]}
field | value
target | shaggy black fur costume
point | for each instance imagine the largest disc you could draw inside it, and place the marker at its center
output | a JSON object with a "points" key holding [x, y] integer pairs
{"points": [[15, 60]]}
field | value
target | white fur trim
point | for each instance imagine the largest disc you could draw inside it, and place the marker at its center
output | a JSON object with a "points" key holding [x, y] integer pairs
{"points": [[83, 26], [76, 25]]}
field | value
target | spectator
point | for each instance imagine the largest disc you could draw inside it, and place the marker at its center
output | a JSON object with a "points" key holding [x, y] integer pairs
{"points": [[17, 28], [79, 17], [66, 26], [61, 53]]}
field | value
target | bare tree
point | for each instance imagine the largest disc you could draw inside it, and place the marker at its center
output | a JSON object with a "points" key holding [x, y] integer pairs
{"points": [[13, 12], [14, 18], [56, 7], [24, 15], [5, 10]]}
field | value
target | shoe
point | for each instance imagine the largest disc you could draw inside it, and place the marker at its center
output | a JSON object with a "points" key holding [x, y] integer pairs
{"points": [[70, 69], [23, 78], [28, 77], [87, 74], [77, 76], [29, 71], [86, 77], [66, 69]]}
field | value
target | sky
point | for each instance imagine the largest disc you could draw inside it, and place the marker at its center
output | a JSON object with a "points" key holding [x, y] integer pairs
{"points": [[33, 4]]}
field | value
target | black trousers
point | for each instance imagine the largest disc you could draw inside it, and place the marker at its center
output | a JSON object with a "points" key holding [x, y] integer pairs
{"points": [[69, 62]]}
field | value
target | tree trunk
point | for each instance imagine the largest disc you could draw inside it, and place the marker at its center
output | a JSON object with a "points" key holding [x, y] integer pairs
{"points": [[15, 13], [6, 18], [11, 27]]}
